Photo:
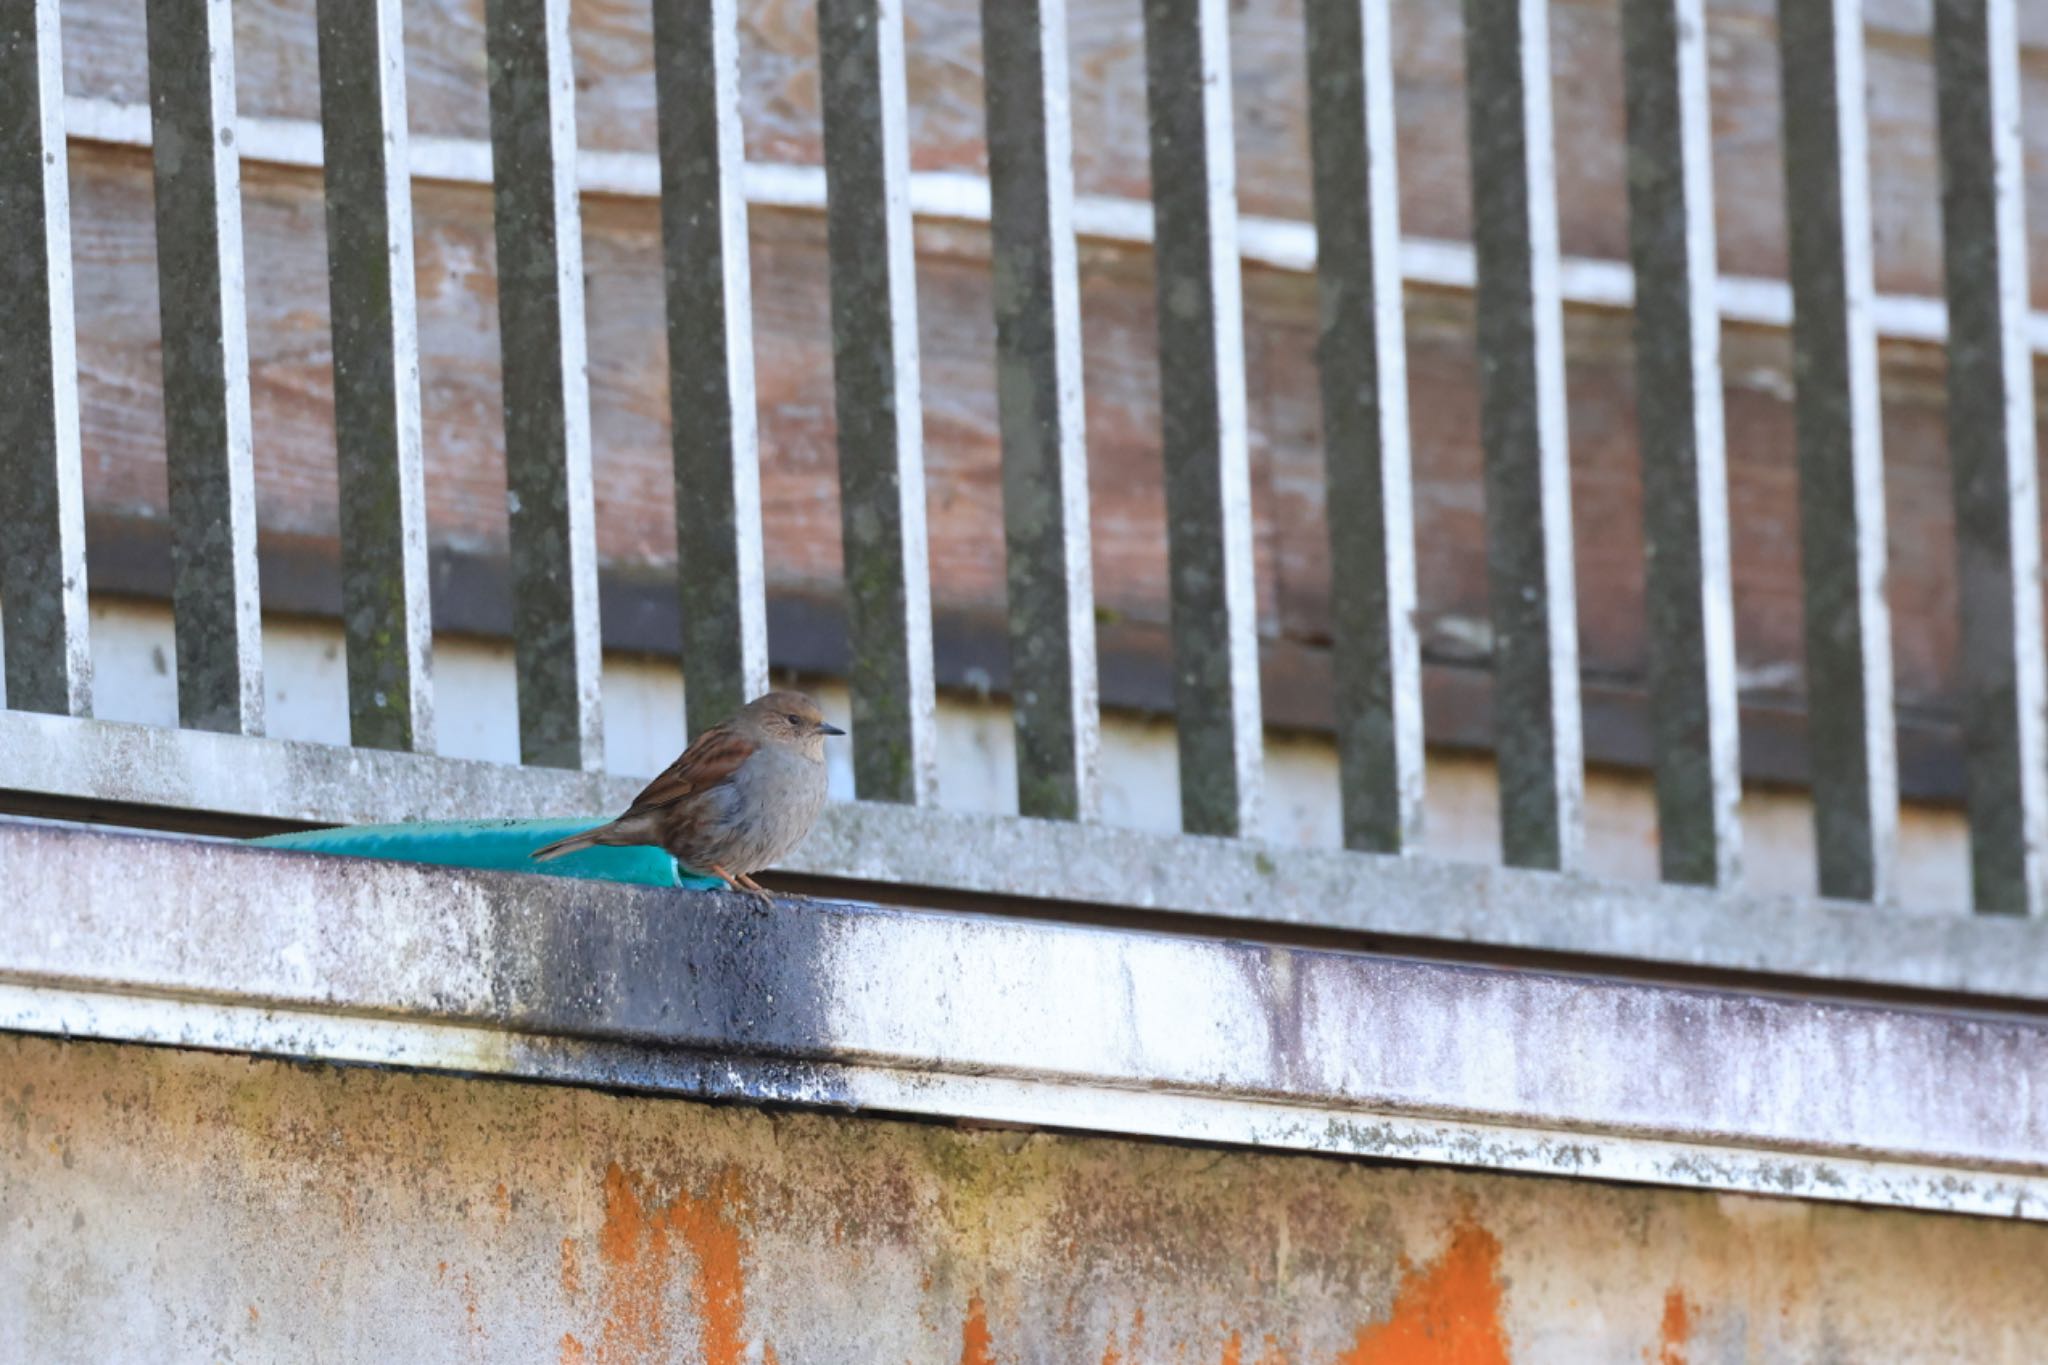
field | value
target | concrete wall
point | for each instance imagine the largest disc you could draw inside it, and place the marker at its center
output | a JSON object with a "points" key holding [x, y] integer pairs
{"points": [[160, 1205], [477, 718]]}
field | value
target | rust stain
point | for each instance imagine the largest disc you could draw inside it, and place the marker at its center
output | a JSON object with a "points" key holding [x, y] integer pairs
{"points": [[254, 1316], [572, 1268], [1445, 1313], [1233, 1350], [719, 1287], [974, 1337], [469, 1306], [1272, 1354], [1110, 1354], [503, 1199], [637, 1246], [1675, 1331], [572, 1350]]}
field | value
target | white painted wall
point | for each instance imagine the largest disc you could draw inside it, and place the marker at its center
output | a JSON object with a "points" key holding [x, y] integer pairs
{"points": [[306, 698]]}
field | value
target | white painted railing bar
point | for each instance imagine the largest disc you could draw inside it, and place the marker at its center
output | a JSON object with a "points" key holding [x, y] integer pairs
{"points": [[950, 196], [1841, 469], [878, 398], [723, 578], [1680, 429], [386, 616], [204, 314], [1362, 354], [1522, 430], [42, 500], [1038, 395], [1202, 415], [541, 325], [1991, 450]]}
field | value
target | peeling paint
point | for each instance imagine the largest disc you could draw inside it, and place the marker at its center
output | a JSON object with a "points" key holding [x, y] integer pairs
{"points": [[1445, 1313]]}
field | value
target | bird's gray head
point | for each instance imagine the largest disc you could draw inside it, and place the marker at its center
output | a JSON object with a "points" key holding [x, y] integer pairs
{"points": [[789, 718]]}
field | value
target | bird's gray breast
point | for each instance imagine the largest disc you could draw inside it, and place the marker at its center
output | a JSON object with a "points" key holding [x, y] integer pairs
{"points": [[770, 804]]}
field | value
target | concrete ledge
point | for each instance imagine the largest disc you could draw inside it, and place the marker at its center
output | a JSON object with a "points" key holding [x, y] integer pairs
{"points": [[224, 946], [1243, 886]]}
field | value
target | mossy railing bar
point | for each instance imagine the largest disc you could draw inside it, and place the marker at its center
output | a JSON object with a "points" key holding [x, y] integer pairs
{"points": [[1361, 350], [1681, 436], [549, 489], [1038, 395], [386, 620], [1522, 429], [42, 495], [1841, 468], [710, 357], [204, 313], [1202, 415], [875, 383], [1991, 445]]}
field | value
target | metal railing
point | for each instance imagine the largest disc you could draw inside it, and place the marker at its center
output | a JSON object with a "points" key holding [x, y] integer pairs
{"points": [[1032, 210]]}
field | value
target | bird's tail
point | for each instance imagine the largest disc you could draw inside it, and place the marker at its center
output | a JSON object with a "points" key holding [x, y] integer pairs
{"points": [[590, 838]]}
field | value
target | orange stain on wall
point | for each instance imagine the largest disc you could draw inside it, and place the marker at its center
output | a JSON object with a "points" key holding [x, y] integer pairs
{"points": [[1445, 1313], [638, 1254], [572, 1268], [974, 1337], [1676, 1329]]}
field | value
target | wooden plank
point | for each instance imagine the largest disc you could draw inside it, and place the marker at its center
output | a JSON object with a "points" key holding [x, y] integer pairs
{"points": [[779, 97]]}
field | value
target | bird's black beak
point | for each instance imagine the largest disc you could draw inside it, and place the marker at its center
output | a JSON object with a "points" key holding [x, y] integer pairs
{"points": [[826, 728]]}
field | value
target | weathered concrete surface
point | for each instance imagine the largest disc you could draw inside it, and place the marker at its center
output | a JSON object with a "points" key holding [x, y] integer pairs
{"points": [[160, 1205], [1231, 881], [1936, 1106]]}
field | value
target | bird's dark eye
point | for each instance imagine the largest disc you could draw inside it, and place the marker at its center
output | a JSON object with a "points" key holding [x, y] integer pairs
{"points": [[794, 721]]}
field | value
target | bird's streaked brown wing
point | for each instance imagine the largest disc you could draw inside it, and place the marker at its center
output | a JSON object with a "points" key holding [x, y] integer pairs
{"points": [[711, 759]]}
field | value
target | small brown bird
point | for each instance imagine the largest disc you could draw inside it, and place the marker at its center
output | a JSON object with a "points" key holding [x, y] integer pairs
{"points": [[743, 794]]}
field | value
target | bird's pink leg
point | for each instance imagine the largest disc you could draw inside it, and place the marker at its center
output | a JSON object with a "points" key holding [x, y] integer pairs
{"points": [[740, 881]]}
